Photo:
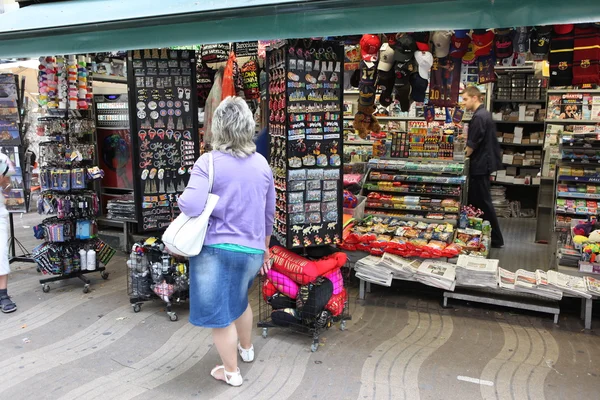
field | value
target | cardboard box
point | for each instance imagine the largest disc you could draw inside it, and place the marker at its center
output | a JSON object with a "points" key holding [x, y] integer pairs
{"points": [[529, 161], [511, 171], [536, 181], [507, 159], [519, 180], [508, 137], [525, 141], [522, 109]]}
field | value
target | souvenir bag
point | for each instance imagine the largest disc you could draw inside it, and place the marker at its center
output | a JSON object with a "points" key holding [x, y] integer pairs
{"points": [[228, 86], [185, 236]]}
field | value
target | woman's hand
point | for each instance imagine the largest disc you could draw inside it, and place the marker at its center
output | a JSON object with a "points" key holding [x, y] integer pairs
{"points": [[267, 263]]}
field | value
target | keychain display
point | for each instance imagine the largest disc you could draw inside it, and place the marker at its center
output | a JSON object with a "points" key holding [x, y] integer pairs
{"points": [[55, 258], [164, 121], [305, 124]]}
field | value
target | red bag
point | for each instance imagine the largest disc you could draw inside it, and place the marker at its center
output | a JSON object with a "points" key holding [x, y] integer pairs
{"points": [[268, 289], [337, 302], [228, 86], [301, 270]]}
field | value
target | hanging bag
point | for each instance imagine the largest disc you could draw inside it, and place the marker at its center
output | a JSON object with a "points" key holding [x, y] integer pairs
{"points": [[185, 236]]}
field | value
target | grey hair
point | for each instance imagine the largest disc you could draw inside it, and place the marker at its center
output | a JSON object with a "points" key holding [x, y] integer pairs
{"points": [[233, 128]]}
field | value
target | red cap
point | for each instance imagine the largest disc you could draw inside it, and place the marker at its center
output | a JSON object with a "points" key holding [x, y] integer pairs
{"points": [[369, 47], [563, 29], [422, 46]]}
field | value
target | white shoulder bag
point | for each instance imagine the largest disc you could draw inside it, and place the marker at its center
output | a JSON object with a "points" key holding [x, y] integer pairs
{"points": [[185, 236]]}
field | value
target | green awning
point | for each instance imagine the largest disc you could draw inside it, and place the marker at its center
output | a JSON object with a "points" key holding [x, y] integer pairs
{"points": [[80, 26]]}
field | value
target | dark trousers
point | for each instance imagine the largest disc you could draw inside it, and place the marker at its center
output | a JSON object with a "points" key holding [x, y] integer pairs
{"points": [[480, 197]]}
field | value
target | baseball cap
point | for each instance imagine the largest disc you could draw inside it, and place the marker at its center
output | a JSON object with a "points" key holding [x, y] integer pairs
{"points": [[470, 57], [369, 47], [405, 47], [422, 40], [460, 44], [386, 58], [441, 42], [503, 45], [563, 29], [425, 61], [483, 42], [461, 33], [418, 87]]}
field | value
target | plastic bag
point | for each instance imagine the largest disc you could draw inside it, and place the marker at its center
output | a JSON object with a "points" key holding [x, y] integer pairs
{"points": [[228, 86]]}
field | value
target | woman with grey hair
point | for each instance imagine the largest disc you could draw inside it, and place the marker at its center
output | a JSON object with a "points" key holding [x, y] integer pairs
{"points": [[236, 246]]}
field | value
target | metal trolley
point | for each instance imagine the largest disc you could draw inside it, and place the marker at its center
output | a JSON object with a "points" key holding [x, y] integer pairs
{"points": [[154, 274], [315, 308]]}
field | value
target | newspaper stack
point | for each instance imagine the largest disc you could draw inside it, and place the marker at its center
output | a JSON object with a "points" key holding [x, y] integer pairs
{"points": [[569, 257], [438, 274], [592, 286], [573, 285], [501, 204], [400, 267], [527, 282], [369, 269], [476, 271], [506, 279]]}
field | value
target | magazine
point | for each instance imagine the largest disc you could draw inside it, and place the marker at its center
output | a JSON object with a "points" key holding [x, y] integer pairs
{"points": [[554, 107]]}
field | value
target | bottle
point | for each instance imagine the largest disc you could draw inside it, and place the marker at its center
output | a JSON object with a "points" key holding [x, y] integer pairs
{"points": [[91, 260], [464, 221], [83, 259], [486, 228]]}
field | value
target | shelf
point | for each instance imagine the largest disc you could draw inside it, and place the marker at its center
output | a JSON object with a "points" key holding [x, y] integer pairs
{"points": [[383, 117], [383, 165], [579, 161], [551, 91], [418, 219], [409, 210], [520, 145], [410, 193], [576, 195], [581, 179], [413, 179], [520, 122], [572, 121], [109, 79], [574, 213], [518, 101], [522, 166], [359, 143], [513, 184]]}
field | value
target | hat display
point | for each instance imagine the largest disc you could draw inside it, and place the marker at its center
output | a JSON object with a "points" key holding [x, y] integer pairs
{"points": [[441, 43], [563, 29], [470, 57], [422, 40], [503, 46], [482, 42], [405, 47], [369, 47], [386, 58], [424, 60]]}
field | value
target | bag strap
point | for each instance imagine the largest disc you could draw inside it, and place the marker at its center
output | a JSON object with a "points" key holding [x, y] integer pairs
{"points": [[211, 172]]}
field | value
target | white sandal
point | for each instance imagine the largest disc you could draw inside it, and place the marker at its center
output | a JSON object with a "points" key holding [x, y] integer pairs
{"points": [[231, 378], [246, 354]]}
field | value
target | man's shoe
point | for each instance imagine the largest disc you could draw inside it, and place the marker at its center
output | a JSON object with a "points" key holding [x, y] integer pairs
{"points": [[497, 245]]}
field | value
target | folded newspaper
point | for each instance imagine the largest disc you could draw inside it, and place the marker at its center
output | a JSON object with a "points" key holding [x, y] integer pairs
{"points": [[568, 284], [476, 271], [400, 267], [535, 283], [369, 269], [592, 286], [506, 279], [438, 274]]}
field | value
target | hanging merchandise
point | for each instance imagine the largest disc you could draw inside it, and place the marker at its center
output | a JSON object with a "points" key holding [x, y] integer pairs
{"points": [[586, 56], [214, 53], [540, 41], [419, 80], [444, 87], [386, 74], [229, 78], [561, 55], [249, 75], [246, 49], [485, 68], [204, 82], [483, 42], [405, 47], [165, 143], [460, 43], [503, 46], [441, 43]]}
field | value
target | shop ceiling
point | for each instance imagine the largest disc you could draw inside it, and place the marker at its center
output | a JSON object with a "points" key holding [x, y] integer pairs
{"points": [[79, 26]]}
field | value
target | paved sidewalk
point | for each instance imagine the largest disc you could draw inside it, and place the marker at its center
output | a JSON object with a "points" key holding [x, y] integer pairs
{"points": [[400, 345]]}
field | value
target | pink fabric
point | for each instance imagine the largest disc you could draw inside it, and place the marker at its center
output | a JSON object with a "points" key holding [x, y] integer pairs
{"points": [[337, 279], [283, 284]]}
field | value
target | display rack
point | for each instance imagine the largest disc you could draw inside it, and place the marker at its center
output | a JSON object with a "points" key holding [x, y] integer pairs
{"points": [[164, 123], [518, 105], [306, 147], [401, 188]]}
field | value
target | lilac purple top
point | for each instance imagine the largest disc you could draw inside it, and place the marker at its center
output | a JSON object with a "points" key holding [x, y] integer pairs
{"points": [[246, 208]]}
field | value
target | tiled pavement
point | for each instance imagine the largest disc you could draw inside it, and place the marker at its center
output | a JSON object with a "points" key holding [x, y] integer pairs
{"points": [[400, 345]]}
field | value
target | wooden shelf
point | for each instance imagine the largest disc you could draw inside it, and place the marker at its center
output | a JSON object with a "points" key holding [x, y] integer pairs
{"points": [[520, 122]]}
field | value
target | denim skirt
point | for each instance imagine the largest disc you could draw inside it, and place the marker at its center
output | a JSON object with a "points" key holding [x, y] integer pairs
{"points": [[219, 285]]}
